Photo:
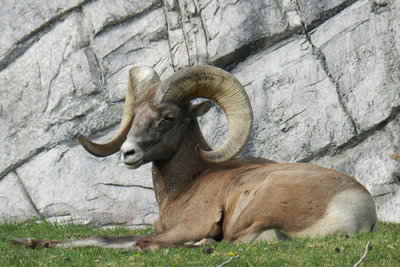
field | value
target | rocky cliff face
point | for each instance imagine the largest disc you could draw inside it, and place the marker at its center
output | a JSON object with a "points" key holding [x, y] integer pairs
{"points": [[323, 77]]}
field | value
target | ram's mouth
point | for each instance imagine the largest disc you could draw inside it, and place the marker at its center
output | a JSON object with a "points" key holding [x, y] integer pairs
{"points": [[133, 164], [133, 158], [132, 161]]}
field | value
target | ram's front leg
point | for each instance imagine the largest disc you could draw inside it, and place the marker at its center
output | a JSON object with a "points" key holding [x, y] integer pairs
{"points": [[121, 242], [179, 236], [34, 242]]}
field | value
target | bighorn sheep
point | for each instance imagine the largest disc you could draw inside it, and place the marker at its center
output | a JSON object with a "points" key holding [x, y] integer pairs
{"points": [[204, 194]]}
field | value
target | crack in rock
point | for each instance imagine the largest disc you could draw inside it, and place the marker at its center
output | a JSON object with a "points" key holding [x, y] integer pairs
{"points": [[126, 185], [383, 194], [185, 34], [321, 58], [94, 67], [128, 18], [55, 76], [333, 150], [13, 166], [326, 15], [369, 132], [168, 35], [21, 46], [28, 197], [230, 60]]}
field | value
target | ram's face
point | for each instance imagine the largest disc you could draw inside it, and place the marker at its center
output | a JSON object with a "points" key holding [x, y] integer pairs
{"points": [[158, 130], [155, 134]]}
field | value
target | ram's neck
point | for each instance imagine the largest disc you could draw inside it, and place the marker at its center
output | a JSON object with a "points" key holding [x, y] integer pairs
{"points": [[171, 176]]}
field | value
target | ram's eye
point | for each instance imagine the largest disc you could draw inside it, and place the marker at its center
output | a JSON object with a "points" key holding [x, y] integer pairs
{"points": [[169, 118], [165, 122]]}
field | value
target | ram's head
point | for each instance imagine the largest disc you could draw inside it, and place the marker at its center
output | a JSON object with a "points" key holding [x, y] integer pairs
{"points": [[156, 114]]}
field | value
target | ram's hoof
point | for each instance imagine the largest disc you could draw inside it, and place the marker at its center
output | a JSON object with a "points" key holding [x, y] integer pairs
{"points": [[201, 243]]}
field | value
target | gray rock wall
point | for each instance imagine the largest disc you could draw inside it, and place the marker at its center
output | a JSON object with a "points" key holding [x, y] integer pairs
{"points": [[323, 77]]}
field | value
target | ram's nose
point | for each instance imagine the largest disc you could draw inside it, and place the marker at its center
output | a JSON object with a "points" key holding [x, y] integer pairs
{"points": [[127, 150], [131, 154]]}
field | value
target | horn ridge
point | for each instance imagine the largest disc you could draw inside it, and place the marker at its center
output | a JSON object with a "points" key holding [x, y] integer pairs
{"points": [[224, 89]]}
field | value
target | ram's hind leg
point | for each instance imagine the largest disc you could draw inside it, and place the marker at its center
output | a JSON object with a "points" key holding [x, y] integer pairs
{"points": [[119, 242], [259, 233], [271, 235]]}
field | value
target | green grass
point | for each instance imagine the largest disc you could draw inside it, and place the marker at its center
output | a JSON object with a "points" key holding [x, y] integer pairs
{"points": [[335, 250]]}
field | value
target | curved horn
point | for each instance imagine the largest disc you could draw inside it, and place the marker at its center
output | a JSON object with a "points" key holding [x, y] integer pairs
{"points": [[221, 87], [139, 80]]}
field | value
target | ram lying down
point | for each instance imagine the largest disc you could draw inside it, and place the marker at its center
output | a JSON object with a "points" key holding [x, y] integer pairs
{"points": [[206, 194]]}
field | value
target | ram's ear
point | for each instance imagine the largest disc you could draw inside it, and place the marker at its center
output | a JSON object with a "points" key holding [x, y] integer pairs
{"points": [[199, 109]]}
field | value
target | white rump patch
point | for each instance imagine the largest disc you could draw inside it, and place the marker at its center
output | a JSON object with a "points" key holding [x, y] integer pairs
{"points": [[350, 211]]}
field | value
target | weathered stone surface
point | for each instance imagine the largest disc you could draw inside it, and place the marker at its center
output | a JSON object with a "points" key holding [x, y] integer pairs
{"points": [[242, 23], [14, 204], [366, 67], [47, 94], [104, 14], [224, 32], [315, 11], [323, 78], [20, 21]]}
